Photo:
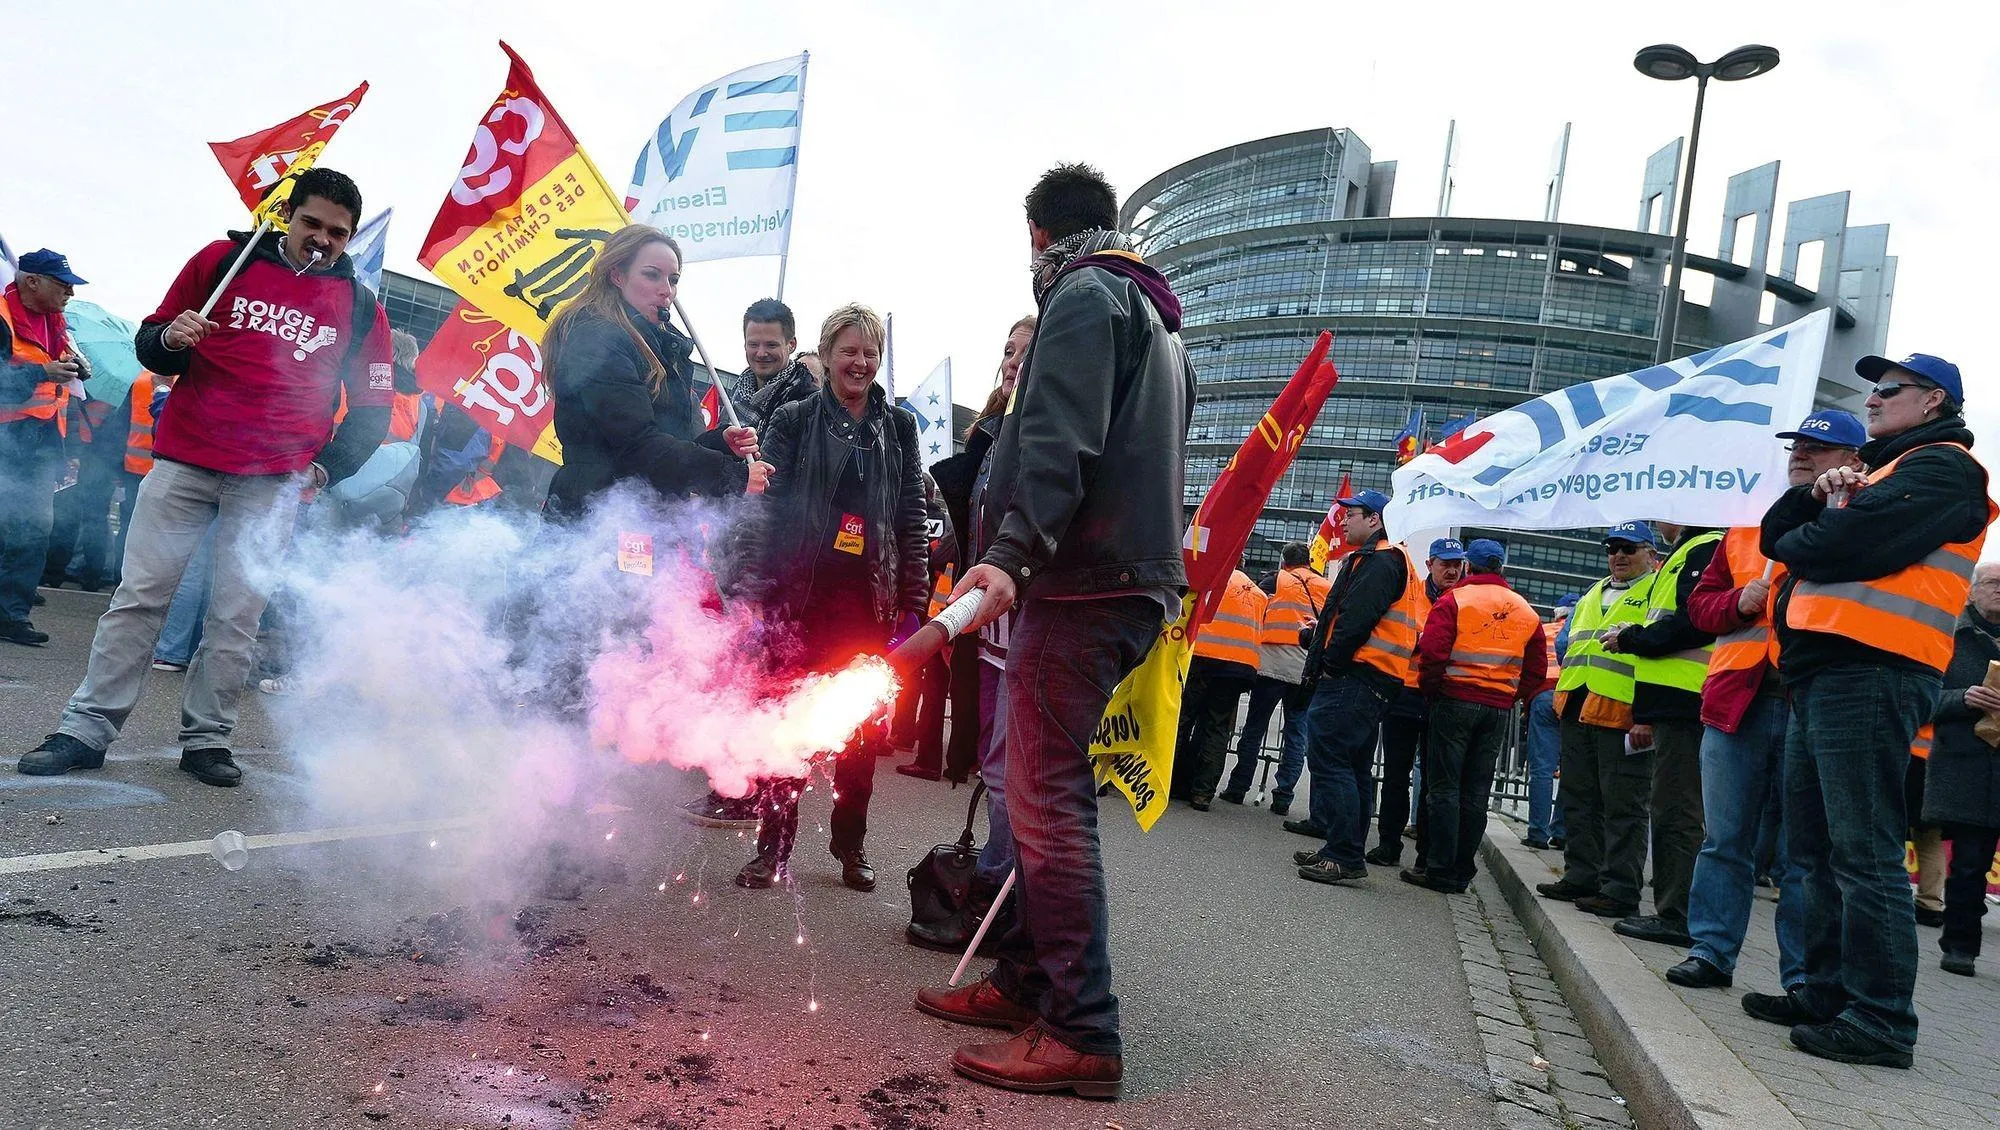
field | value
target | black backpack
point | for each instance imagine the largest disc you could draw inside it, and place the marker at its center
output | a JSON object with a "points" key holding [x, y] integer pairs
{"points": [[942, 916]]}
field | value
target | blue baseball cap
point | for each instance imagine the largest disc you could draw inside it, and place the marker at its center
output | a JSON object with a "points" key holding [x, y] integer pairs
{"points": [[1485, 553], [1568, 600], [1373, 501], [1638, 533], [1936, 370], [1832, 427], [1447, 549], [55, 265]]}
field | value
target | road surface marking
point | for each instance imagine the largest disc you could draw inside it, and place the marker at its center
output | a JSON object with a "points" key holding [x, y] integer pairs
{"points": [[62, 860]]}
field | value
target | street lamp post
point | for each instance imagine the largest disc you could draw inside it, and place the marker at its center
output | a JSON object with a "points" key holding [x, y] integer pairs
{"points": [[1672, 63]]}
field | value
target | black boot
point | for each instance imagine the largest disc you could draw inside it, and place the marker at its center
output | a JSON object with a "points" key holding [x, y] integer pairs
{"points": [[855, 870], [22, 632]]}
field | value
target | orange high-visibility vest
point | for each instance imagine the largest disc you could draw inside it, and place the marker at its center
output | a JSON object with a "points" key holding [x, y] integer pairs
{"points": [[50, 400], [404, 413], [1423, 616], [1754, 644], [1922, 746], [139, 434], [1910, 612], [1232, 635], [478, 485], [1301, 594], [1494, 627], [941, 591], [1391, 647]]}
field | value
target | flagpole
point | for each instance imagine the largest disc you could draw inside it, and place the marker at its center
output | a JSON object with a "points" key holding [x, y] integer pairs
{"points": [[714, 374], [785, 248], [985, 924], [242, 257], [889, 358]]}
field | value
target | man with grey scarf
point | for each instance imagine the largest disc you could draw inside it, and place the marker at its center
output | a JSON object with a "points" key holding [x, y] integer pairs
{"points": [[1083, 525]]}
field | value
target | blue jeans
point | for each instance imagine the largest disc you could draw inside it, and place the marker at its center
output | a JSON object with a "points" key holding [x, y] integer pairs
{"points": [[1545, 816], [1739, 773], [182, 633], [1340, 746], [1064, 660], [997, 857], [1265, 695], [1292, 746], [1846, 753]]}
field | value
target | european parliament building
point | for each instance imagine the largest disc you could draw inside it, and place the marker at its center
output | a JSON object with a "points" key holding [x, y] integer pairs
{"points": [[1269, 242]]}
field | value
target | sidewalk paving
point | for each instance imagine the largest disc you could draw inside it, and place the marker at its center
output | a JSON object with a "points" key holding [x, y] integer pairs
{"points": [[1692, 1057]]}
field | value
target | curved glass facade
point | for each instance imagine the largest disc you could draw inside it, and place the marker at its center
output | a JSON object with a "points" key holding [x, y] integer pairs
{"points": [[1456, 317]]}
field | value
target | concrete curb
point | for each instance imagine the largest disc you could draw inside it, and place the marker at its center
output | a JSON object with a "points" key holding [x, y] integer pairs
{"points": [[1672, 1069]]}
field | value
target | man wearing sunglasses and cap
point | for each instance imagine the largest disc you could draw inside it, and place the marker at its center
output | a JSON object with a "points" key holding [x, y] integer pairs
{"points": [[1606, 777], [1878, 569], [1744, 715], [1362, 649], [38, 371]]}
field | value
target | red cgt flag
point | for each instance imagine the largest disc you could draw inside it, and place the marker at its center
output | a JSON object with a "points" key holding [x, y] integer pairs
{"points": [[257, 162], [711, 409], [1328, 545], [1222, 524], [495, 374]]}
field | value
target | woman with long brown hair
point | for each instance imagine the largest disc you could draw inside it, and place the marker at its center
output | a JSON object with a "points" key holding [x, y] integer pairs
{"points": [[624, 396]]}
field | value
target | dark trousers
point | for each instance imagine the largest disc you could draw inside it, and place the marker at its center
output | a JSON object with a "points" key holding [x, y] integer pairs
{"points": [[1965, 888], [1208, 718], [80, 534], [27, 509], [962, 747], [1402, 746], [1677, 814], [1459, 761], [129, 484], [1340, 748], [839, 631], [1063, 661], [1605, 795], [1265, 697], [1846, 752], [920, 714]]}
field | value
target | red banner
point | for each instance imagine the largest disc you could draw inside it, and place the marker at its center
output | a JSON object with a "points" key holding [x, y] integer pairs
{"points": [[495, 374], [1222, 524], [257, 162]]}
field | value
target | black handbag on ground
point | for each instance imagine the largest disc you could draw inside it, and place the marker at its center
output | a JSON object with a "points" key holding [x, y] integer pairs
{"points": [[942, 915]]}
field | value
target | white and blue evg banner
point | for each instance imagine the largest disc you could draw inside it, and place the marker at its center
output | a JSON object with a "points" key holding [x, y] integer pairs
{"points": [[719, 172], [1691, 441]]}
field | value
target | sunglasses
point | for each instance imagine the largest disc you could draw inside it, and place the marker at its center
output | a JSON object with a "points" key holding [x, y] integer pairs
{"points": [[1621, 548], [1892, 390]]}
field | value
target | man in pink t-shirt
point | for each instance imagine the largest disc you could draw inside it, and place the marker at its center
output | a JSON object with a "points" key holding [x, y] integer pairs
{"points": [[254, 420]]}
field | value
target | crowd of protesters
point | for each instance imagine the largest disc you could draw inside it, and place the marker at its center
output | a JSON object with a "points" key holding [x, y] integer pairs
{"points": [[1818, 683]]}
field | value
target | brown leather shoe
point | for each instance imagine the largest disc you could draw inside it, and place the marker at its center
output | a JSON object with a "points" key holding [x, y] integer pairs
{"points": [[978, 1003], [1037, 1062]]}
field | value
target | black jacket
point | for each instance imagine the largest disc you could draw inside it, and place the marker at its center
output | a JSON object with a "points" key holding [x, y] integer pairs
{"points": [[1962, 781], [1088, 470], [955, 474], [360, 432], [1650, 701], [808, 443], [613, 427], [1369, 585], [1937, 497]]}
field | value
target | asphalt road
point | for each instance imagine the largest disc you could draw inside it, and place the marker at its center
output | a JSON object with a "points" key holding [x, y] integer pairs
{"points": [[505, 977]]}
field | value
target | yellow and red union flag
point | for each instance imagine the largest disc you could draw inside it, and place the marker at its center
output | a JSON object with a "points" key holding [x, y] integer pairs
{"points": [[1134, 744], [494, 372], [261, 161], [1330, 544], [516, 235]]}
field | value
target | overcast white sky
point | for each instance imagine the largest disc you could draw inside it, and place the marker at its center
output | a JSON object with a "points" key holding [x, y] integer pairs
{"points": [[925, 123]]}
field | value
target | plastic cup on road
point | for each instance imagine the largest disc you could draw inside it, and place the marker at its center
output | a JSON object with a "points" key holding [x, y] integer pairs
{"points": [[229, 850]]}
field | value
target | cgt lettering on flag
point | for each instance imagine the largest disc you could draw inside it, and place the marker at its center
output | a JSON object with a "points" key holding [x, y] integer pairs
{"points": [[493, 372], [521, 225]]}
